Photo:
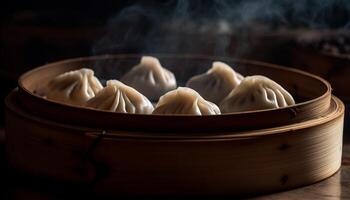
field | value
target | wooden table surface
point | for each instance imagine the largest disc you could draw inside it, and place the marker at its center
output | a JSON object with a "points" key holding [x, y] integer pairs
{"points": [[19, 186]]}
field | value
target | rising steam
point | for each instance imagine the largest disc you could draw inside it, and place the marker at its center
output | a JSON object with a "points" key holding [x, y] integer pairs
{"points": [[206, 27]]}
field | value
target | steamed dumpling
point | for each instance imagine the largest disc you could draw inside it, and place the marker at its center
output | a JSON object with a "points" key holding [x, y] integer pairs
{"points": [[216, 83], [150, 78], [118, 97], [185, 101], [74, 87], [256, 93]]}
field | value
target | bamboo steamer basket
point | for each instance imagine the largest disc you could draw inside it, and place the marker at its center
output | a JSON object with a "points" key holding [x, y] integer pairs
{"points": [[215, 159]]}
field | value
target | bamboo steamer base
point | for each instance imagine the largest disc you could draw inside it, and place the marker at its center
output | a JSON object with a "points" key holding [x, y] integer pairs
{"points": [[140, 163]]}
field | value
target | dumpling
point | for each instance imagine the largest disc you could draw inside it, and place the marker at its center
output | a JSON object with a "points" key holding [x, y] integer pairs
{"points": [[74, 87], [150, 78], [256, 93], [118, 97], [216, 83], [185, 101]]}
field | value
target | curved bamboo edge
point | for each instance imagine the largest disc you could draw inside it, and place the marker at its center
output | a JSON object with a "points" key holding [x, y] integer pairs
{"points": [[285, 158], [277, 117], [27, 74]]}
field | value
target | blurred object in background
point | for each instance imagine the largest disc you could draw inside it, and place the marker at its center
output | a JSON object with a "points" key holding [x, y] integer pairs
{"points": [[326, 54]]}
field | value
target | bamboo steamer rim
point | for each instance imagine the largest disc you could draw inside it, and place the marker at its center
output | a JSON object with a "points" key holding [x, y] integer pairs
{"points": [[111, 56], [314, 90], [336, 111]]}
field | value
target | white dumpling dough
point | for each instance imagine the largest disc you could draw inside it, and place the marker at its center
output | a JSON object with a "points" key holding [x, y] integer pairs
{"points": [[74, 87], [185, 101], [150, 78], [118, 97], [216, 83], [256, 93]]}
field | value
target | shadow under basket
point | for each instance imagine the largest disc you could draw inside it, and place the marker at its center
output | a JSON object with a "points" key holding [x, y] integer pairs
{"points": [[229, 154]]}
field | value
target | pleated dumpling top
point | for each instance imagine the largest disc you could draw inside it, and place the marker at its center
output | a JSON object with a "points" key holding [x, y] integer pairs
{"points": [[120, 98]]}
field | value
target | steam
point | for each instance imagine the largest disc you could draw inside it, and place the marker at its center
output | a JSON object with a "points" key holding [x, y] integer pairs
{"points": [[206, 27]]}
